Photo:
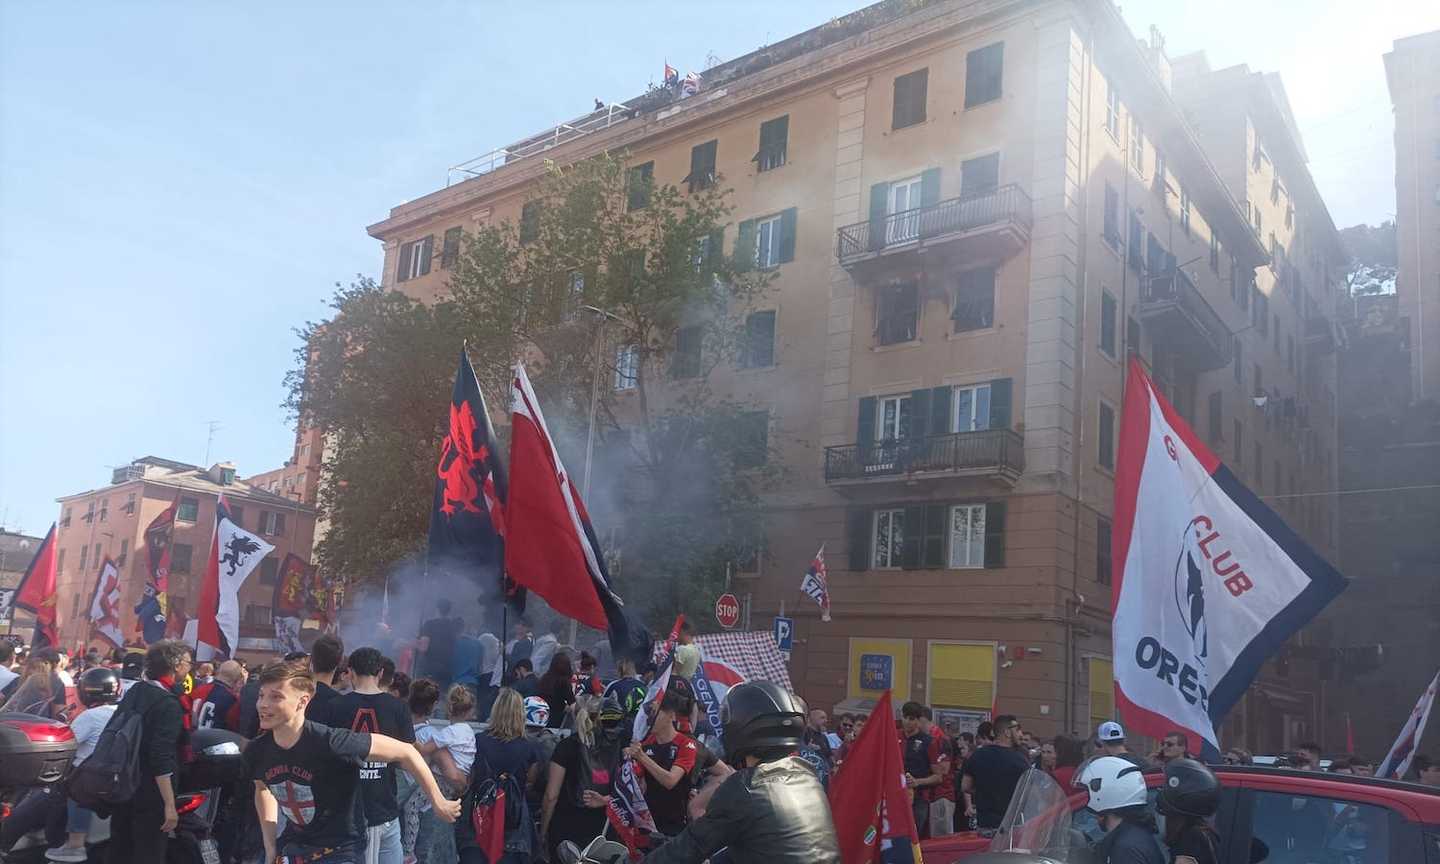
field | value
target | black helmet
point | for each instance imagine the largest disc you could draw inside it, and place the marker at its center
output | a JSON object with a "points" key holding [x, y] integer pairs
{"points": [[761, 715], [1190, 789], [98, 686]]}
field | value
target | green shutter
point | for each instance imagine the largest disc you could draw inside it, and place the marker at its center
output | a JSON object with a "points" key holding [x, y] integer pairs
{"points": [[865, 432], [402, 270], [714, 250], [934, 552], [930, 187], [879, 203], [745, 246], [427, 250], [1000, 403], [913, 537], [940, 410], [860, 522], [788, 220], [995, 534], [919, 413]]}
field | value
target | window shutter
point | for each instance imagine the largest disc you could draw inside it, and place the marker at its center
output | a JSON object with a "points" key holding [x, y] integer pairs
{"points": [[994, 532], [919, 413], [745, 246], [865, 433], [940, 410], [279, 524], [714, 249], [913, 537], [929, 187], [789, 220], [935, 518], [1000, 404], [860, 525], [879, 203], [427, 248], [402, 270]]}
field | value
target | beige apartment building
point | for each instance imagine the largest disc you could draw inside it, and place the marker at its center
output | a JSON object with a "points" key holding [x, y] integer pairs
{"points": [[992, 203], [1412, 71], [110, 522]]}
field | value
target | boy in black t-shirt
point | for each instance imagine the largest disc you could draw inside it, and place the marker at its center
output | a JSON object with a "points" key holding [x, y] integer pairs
{"points": [[992, 772], [367, 709], [667, 757], [310, 771]]}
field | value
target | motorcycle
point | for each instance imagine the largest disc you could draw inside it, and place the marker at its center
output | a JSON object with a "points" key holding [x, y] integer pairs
{"points": [[1037, 828], [597, 851]]}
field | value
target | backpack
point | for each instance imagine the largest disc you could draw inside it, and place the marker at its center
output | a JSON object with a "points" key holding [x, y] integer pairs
{"points": [[497, 810], [111, 774]]}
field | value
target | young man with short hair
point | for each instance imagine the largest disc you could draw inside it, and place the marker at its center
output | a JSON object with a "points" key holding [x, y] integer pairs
{"points": [[920, 772], [628, 689], [991, 772], [525, 683], [327, 655], [1175, 745], [436, 645], [310, 771], [140, 829], [668, 758], [216, 705], [1111, 738], [1307, 758], [1427, 770], [941, 796]]}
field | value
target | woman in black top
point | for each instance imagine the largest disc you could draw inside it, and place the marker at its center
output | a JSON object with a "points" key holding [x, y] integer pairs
{"points": [[1188, 798], [557, 688], [580, 773]]}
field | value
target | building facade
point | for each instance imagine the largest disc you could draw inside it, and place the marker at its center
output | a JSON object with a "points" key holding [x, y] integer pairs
{"points": [[993, 204], [17, 550], [1412, 71], [109, 522]]}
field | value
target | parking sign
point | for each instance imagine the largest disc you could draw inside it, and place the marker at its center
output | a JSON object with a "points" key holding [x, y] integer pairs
{"points": [[784, 632]]}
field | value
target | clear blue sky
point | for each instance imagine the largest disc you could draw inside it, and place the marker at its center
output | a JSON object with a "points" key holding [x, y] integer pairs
{"points": [[181, 184]]}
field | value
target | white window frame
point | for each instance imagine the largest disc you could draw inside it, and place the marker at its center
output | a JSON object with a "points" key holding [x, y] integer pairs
{"points": [[415, 248], [269, 522], [907, 229], [627, 368], [899, 401], [1112, 111], [1137, 145], [966, 543], [895, 552], [767, 242], [970, 424]]}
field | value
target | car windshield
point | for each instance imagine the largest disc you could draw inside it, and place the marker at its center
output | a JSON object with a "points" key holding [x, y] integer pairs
{"points": [[1038, 819]]}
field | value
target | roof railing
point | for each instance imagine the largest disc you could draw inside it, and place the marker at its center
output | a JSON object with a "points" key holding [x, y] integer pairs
{"points": [[595, 121]]}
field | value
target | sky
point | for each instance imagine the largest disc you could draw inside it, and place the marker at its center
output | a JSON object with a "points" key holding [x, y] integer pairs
{"points": [[182, 185]]}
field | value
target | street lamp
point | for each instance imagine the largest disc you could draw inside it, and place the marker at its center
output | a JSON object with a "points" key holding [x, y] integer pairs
{"points": [[594, 393]]}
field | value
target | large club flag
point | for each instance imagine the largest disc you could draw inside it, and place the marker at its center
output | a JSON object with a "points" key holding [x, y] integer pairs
{"points": [[467, 526], [234, 554], [104, 608], [36, 592], [154, 604], [1210, 581], [1397, 761], [291, 603], [873, 820], [550, 545], [816, 584]]}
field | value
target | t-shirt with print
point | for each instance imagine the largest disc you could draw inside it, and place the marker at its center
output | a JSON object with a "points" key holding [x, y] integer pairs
{"points": [[315, 784], [668, 805], [942, 750], [373, 712], [917, 756]]}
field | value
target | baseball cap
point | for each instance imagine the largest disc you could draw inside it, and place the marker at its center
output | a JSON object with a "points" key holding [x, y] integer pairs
{"points": [[1110, 732]]}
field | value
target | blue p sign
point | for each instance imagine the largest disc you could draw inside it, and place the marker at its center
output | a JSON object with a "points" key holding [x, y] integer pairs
{"points": [[784, 633]]}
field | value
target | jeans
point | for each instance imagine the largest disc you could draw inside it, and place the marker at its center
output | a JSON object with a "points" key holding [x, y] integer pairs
{"points": [[39, 808], [77, 818], [382, 844], [921, 808]]}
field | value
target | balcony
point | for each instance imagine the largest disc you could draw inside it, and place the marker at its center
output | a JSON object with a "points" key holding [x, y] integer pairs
{"points": [[998, 453], [1320, 334], [1181, 320], [990, 226]]}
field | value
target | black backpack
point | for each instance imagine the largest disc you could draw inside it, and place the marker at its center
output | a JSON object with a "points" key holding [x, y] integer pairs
{"points": [[111, 774]]}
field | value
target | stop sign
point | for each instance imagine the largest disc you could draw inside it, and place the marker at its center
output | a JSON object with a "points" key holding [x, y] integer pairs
{"points": [[727, 610]]}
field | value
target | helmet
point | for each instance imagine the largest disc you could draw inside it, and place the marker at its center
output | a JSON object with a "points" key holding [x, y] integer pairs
{"points": [[610, 710], [1190, 789], [760, 715], [98, 686], [537, 711], [1113, 783]]}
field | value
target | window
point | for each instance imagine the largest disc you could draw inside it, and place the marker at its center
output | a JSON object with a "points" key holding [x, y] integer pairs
{"points": [[1112, 216], [1289, 216], [627, 367], [972, 408], [1259, 221], [256, 615], [1214, 416], [1215, 256], [1185, 210], [415, 258], [1310, 828], [237, 516], [1132, 335], [897, 313], [188, 511], [98, 559], [974, 300], [905, 198], [130, 501], [1159, 184], [753, 445], [1136, 245], [272, 524], [180, 558], [1106, 439], [1137, 145], [124, 552], [1108, 323], [967, 536], [1239, 429], [1239, 360], [984, 69], [774, 141], [85, 559], [89, 512], [909, 105], [269, 571], [577, 291], [1259, 380], [1102, 550], [450, 247], [979, 176], [638, 182], [708, 250], [759, 348], [702, 166], [1275, 190], [60, 563], [686, 362], [65, 518], [530, 222], [892, 418], [104, 509], [888, 539], [768, 242], [1262, 312], [1112, 111]]}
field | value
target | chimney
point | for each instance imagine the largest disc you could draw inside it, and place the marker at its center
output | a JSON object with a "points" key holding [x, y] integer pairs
{"points": [[1155, 52], [222, 473]]}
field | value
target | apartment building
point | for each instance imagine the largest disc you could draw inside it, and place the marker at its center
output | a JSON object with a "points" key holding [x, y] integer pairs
{"points": [[17, 550], [1412, 71], [985, 208], [110, 521]]}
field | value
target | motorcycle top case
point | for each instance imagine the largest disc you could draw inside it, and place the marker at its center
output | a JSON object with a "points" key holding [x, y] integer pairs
{"points": [[218, 760], [34, 751]]}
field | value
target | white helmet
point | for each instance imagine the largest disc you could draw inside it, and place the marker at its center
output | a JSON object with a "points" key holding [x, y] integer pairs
{"points": [[537, 711], [1113, 783]]}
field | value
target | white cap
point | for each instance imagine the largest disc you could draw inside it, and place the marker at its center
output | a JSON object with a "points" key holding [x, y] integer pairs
{"points": [[1110, 732]]}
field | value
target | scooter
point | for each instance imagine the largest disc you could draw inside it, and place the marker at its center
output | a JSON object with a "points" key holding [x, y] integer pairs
{"points": [[597, 851]]}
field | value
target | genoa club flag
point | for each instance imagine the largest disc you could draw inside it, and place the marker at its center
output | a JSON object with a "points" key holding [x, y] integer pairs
{"points": [[816, 586], [1402, 752], [1210, 582], [104, 609], [234, 554], [154, 604], [466, 518], [36, 593]]}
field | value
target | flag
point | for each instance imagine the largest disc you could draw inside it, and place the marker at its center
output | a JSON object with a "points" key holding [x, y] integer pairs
{"points": [[1397, 761], [550, 545], [154, 606], [873, 820], [690, 86], [234, 554], [104, 608], [816, 584], [467, 525], [627, 811], [292, 588], [7, 597], [672, 75], [1210, 582], [663, 650], [709, 701], [36, 593]]}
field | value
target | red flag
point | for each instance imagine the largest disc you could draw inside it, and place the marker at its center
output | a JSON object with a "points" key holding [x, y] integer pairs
{"points": [[36, 592], [869, 813]]}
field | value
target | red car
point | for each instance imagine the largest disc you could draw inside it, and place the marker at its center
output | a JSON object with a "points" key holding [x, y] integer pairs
{"points": [[1298, 817]]}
